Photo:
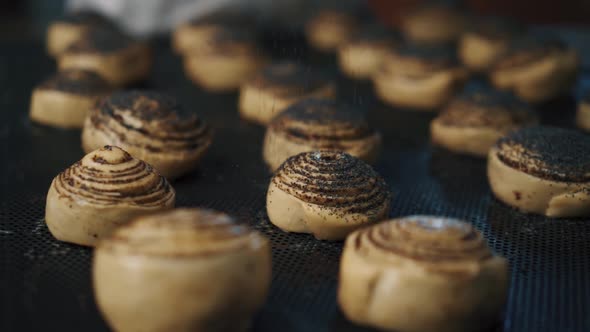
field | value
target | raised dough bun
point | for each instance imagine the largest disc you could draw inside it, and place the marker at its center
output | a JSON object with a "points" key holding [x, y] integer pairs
{"points": [[544, 170], [182, 270], [326, 193], [421, 274], [104, 190]]}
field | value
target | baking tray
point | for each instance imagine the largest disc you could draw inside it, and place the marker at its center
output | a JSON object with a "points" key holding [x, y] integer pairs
{"points": [[46, 285]]}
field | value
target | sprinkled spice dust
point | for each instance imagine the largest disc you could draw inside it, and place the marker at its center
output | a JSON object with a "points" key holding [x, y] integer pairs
{"points": [[548, 152]]}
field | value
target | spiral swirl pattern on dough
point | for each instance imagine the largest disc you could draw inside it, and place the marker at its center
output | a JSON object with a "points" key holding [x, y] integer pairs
{"points": [[110, 177], [184, 232], [325, 124], [335, 181], [151, 121], [423, 239]]}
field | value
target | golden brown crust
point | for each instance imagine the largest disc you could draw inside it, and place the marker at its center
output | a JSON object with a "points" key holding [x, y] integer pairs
{"points": [[415, 60]]}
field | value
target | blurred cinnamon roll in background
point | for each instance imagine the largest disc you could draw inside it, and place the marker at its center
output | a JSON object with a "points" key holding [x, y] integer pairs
{"points": [[278, 86], [362, 54], [486, 41], [65, 99], [472, 122], [115, 56], [182, 270], [102, 191], [583, 112], [72, 28], [329, 28], [434, 22], [326, 193], [320, 124], [230, 58], [151, 126], [537, 69], [419, 274], [419, 77]]}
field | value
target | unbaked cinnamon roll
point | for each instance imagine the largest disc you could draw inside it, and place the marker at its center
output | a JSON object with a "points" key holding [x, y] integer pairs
{"points": [[71, 28], [583, 113], [537, 70], [421, 274], [229, 59], [329, 29], [151, 126], [473, 122], [326, 193], [278, 86], [320, 124], [65, 99], [419, 77], [483, 44], [182, 270], [115, 56], [434, 23], [200, 32], [544, 170], [88, 200], [362, 54]]}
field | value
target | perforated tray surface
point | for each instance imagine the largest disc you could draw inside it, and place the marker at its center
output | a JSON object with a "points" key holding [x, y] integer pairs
{"points": [[46, 285]]}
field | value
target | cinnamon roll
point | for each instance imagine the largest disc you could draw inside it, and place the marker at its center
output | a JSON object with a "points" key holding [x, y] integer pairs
{"points": [[544, 170], [419, 77], [151, 126], [229, 59], [278, 86], [489, 38], [200, 32], [65, 99], [329, 29], [113, 55], [71, 28], [421, 274], [326, 193], [87, 201], [182, 270], [320, 124], [434, 23], [537, 70], [583, 113], [361, 55], [474, 121]]}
